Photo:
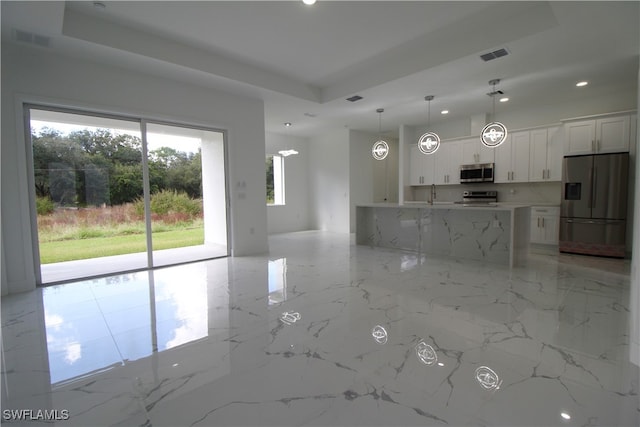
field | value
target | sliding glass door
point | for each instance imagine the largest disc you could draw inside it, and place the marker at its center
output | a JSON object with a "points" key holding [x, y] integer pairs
{"points": [[188, 201], [113, 194]]}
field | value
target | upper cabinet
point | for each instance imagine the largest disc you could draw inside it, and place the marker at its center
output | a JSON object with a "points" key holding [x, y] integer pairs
{"points": [[512, 158], [473, 151], [447, 163], [545, 155], [601, 135], [421, 167], [440, 168]]}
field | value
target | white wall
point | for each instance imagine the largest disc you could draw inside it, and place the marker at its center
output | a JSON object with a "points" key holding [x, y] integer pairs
{"points": [[36, 75], [329, 181], [634, 298], [294, 215], [369, 177]]}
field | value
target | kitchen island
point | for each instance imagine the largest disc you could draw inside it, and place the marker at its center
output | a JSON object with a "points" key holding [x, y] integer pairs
{"points": [[497, 234]]}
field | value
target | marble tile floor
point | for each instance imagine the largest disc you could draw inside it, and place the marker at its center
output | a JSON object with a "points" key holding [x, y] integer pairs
{"points": [[321, 332]]}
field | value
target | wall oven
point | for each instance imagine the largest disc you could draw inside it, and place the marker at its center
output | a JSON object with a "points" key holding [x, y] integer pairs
{"points": [[477, 173]]}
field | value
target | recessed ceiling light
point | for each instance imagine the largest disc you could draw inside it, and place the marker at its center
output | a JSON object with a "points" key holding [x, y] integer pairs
{"points": [[99, 5], [309, 2], [505, 99], [565, 415], [444, 112], [582, 83], [287, 124]]}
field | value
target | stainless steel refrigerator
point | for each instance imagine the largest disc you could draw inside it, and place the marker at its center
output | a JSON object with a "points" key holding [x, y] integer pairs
{"points": [[594, 204]]}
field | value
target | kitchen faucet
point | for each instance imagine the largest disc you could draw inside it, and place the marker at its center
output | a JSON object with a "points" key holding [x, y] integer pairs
{"points": [[432, 196]]}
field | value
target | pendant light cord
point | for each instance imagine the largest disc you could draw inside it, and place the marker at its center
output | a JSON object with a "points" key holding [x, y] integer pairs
{"points": [[428, 98], [493, 96]]}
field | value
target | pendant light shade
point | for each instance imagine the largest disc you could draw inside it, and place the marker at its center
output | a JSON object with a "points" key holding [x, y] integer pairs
{"points": [[494, 133], [429, 142], [380, 148]]}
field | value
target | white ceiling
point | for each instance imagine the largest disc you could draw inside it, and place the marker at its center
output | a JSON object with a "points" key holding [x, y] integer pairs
{"points": [[308, 59]]}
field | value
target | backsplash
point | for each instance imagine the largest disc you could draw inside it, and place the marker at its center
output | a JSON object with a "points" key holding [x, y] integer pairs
{"points": [[526, 192]]}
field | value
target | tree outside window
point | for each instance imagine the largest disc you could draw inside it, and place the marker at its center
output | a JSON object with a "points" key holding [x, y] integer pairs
{"points": [[275, 180]]}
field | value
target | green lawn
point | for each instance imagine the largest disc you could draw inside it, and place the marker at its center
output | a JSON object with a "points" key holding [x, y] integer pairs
{"points": [[68, 250]]}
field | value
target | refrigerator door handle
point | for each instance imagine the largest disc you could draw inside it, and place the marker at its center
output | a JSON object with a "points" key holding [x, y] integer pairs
{"points": [[591, 189], [594, 187]]}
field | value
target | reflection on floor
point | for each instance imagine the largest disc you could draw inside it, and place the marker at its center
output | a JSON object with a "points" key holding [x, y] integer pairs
{"points": [[322, 332]]}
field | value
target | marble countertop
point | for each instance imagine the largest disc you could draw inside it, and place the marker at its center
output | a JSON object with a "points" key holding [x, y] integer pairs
{"points": [[447, 205]]}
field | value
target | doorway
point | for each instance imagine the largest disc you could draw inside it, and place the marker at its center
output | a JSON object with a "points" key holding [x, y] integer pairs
{"points": [[114, 194]]}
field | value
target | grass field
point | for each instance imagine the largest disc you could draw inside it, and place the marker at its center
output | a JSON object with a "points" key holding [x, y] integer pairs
{"points": [[74, 234], [68, 250]]}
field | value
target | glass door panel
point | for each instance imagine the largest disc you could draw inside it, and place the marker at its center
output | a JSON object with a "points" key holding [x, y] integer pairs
{"points": [[188, 193], [87, 173]]}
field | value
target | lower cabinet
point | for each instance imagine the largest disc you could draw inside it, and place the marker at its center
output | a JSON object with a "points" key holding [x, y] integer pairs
{"points": [[545, 225]]}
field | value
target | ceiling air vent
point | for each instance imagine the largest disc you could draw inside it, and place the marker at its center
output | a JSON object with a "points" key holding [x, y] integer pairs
{"points": [[32, 38], [354, 98], [494, 55]]}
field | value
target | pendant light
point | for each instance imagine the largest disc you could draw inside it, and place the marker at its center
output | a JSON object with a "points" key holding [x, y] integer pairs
{"points": [[380, 148], [494, 133], [429, 142]]}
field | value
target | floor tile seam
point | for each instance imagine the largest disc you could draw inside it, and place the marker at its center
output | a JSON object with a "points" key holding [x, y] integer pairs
{"points": [[106, 323]]}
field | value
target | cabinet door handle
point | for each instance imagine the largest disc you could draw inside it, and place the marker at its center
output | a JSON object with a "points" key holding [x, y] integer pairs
{"points": [[538, 222], [542, 222]]}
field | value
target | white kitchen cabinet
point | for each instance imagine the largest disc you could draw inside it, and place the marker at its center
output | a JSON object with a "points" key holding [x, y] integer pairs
{"points": [[421, 167], [545, 155], [473, 151], [603, 135], [512, 158], [545, 224], [447, 163]]}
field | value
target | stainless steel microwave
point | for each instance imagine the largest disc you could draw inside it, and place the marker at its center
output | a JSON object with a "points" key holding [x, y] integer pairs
{"points": [[482, 172]]}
